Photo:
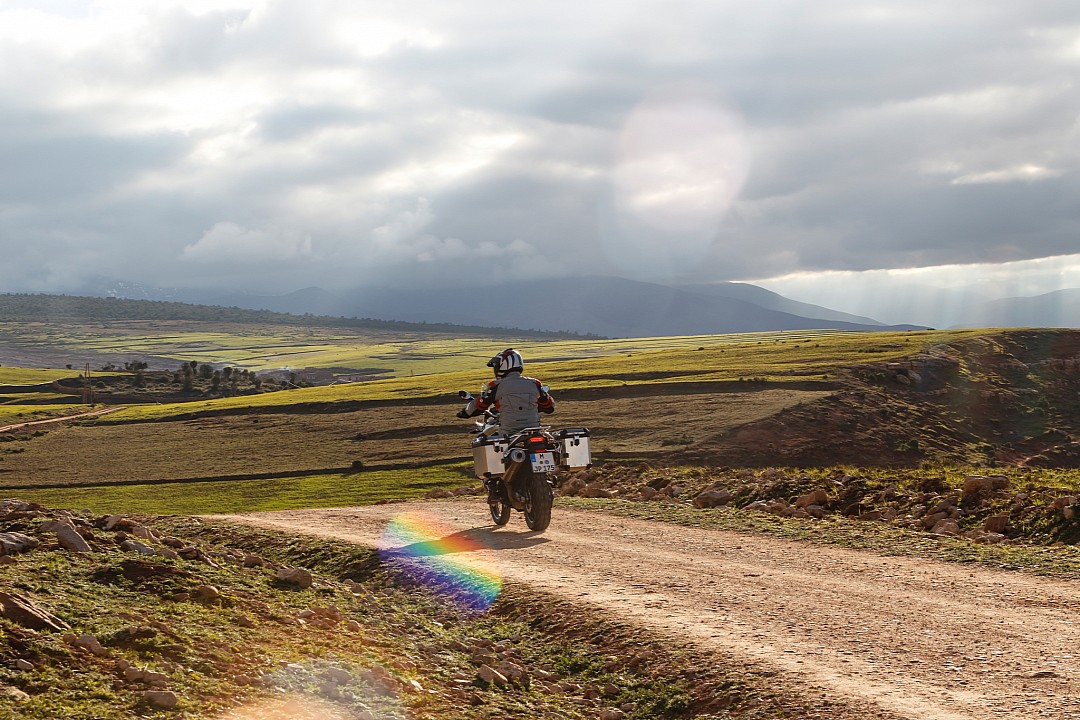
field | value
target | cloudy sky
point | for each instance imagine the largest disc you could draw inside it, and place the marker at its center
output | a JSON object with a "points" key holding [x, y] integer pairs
{"points": [[820, 147]]}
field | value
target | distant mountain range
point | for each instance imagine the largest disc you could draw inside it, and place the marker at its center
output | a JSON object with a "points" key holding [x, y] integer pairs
{"points": [[607, 306], [616, 307]]}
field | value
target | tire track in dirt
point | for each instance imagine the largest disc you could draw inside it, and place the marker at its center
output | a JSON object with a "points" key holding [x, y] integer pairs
{"points": [[914, 638]]}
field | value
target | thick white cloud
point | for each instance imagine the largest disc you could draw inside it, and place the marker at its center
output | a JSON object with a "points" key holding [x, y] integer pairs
{"points": [[227, 241], [339, 143]]}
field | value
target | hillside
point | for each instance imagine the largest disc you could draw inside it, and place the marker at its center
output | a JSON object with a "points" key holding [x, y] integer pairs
{"points": [[66, 308], [1006, 398]]}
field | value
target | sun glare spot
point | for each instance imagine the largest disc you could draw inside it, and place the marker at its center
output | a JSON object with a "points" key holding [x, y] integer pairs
{"points": [[681, 161]]}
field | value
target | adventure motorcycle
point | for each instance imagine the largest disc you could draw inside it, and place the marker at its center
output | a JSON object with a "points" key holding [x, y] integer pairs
{"points": [[519, 469]]}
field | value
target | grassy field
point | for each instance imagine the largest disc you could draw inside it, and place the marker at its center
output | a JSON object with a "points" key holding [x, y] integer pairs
{"points": [[776, 357], [277, 493], [31, 376], [299, 446], [256, 347], [13, 412]]}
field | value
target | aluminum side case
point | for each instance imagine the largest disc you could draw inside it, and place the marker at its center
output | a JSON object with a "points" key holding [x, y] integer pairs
{"points": [[574, 449], [488, 455]]}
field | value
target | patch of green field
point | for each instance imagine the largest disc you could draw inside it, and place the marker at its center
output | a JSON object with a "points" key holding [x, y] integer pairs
{"points": [[11, 413], [30, 376], [777, 357], [231, 496]]}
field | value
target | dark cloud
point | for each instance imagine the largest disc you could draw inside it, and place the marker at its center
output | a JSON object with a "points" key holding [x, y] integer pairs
{"points": [[332, 144]]}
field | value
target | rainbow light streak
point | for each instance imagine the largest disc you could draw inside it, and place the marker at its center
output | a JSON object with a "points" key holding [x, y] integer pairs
{"points": [[447, 560]]}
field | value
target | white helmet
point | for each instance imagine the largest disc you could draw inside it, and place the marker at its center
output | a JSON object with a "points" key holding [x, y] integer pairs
{"points": [[507, 361]]}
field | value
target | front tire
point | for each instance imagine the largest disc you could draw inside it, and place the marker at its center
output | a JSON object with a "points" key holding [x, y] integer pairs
{"points": [[500, 512], [538, 501]]}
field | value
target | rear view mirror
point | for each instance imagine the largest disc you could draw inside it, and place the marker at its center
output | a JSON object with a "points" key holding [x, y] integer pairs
{"points": [[545, 389]]}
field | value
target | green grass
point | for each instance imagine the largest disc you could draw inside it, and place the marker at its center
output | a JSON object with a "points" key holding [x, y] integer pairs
{"points": [[777, 357], [31, 376], [232, 496], [15, 413]]}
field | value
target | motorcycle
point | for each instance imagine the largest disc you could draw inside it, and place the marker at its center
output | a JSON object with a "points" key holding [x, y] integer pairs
{"points": [[519, 469]]}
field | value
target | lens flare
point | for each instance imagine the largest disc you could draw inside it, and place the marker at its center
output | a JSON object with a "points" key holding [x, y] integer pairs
{"points": [[682, 160], [455, 563]]}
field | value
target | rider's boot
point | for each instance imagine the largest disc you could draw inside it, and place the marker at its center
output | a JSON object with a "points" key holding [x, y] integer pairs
{"points": [[493, 493]]}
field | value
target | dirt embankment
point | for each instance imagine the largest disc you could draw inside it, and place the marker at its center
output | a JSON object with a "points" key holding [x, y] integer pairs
{"points": [[897, 637], [1011, 398]]}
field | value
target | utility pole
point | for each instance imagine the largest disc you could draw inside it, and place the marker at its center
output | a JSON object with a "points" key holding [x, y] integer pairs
{"points": [[89, 393]]}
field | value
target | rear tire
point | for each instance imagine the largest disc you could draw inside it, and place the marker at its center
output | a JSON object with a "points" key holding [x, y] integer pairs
{"points": [[538, 503]]}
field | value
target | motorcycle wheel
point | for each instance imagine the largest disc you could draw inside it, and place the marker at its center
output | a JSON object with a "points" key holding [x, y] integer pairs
{"points": [[500, 512], [538, 502]]}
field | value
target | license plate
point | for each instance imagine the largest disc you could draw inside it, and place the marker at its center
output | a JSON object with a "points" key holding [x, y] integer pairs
{"points": [[543, 462]]}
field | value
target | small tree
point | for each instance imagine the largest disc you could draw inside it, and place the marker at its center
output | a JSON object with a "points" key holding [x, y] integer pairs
{"points": [[187, 377]]}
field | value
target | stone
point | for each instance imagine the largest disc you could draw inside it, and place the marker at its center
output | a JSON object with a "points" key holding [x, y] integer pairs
{"points": [[353, 626], [647, 493], [173, 542], [207, 593], [712, 498], [141, 531], [245, 621], [12, 693], [491, 676], [946, 527], [980, 486], [69, 538], [612, 714], [996, 524], [814, 497], [23, 611], [514, 672], [871, 515], [136, 546], [24, 665], [91, 643], [251, 561], [13, 543], [111, 521], [167, 553], [933, 519], [438, 494], [164, 699], [337, 675], [300, 577]]}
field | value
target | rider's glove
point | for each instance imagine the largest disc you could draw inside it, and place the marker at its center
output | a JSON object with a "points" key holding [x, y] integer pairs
{"points": [[463, 415]]}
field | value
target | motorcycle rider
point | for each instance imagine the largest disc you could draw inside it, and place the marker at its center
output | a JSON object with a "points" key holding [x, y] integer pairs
{"points": [[517, 399]]}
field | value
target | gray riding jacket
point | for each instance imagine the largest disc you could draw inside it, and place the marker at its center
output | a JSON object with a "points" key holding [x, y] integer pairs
{"points": [[519, 401]]}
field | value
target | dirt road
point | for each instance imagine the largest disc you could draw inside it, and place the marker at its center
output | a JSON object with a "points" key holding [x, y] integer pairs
{"points": [[59, 418], [909, 638]]}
